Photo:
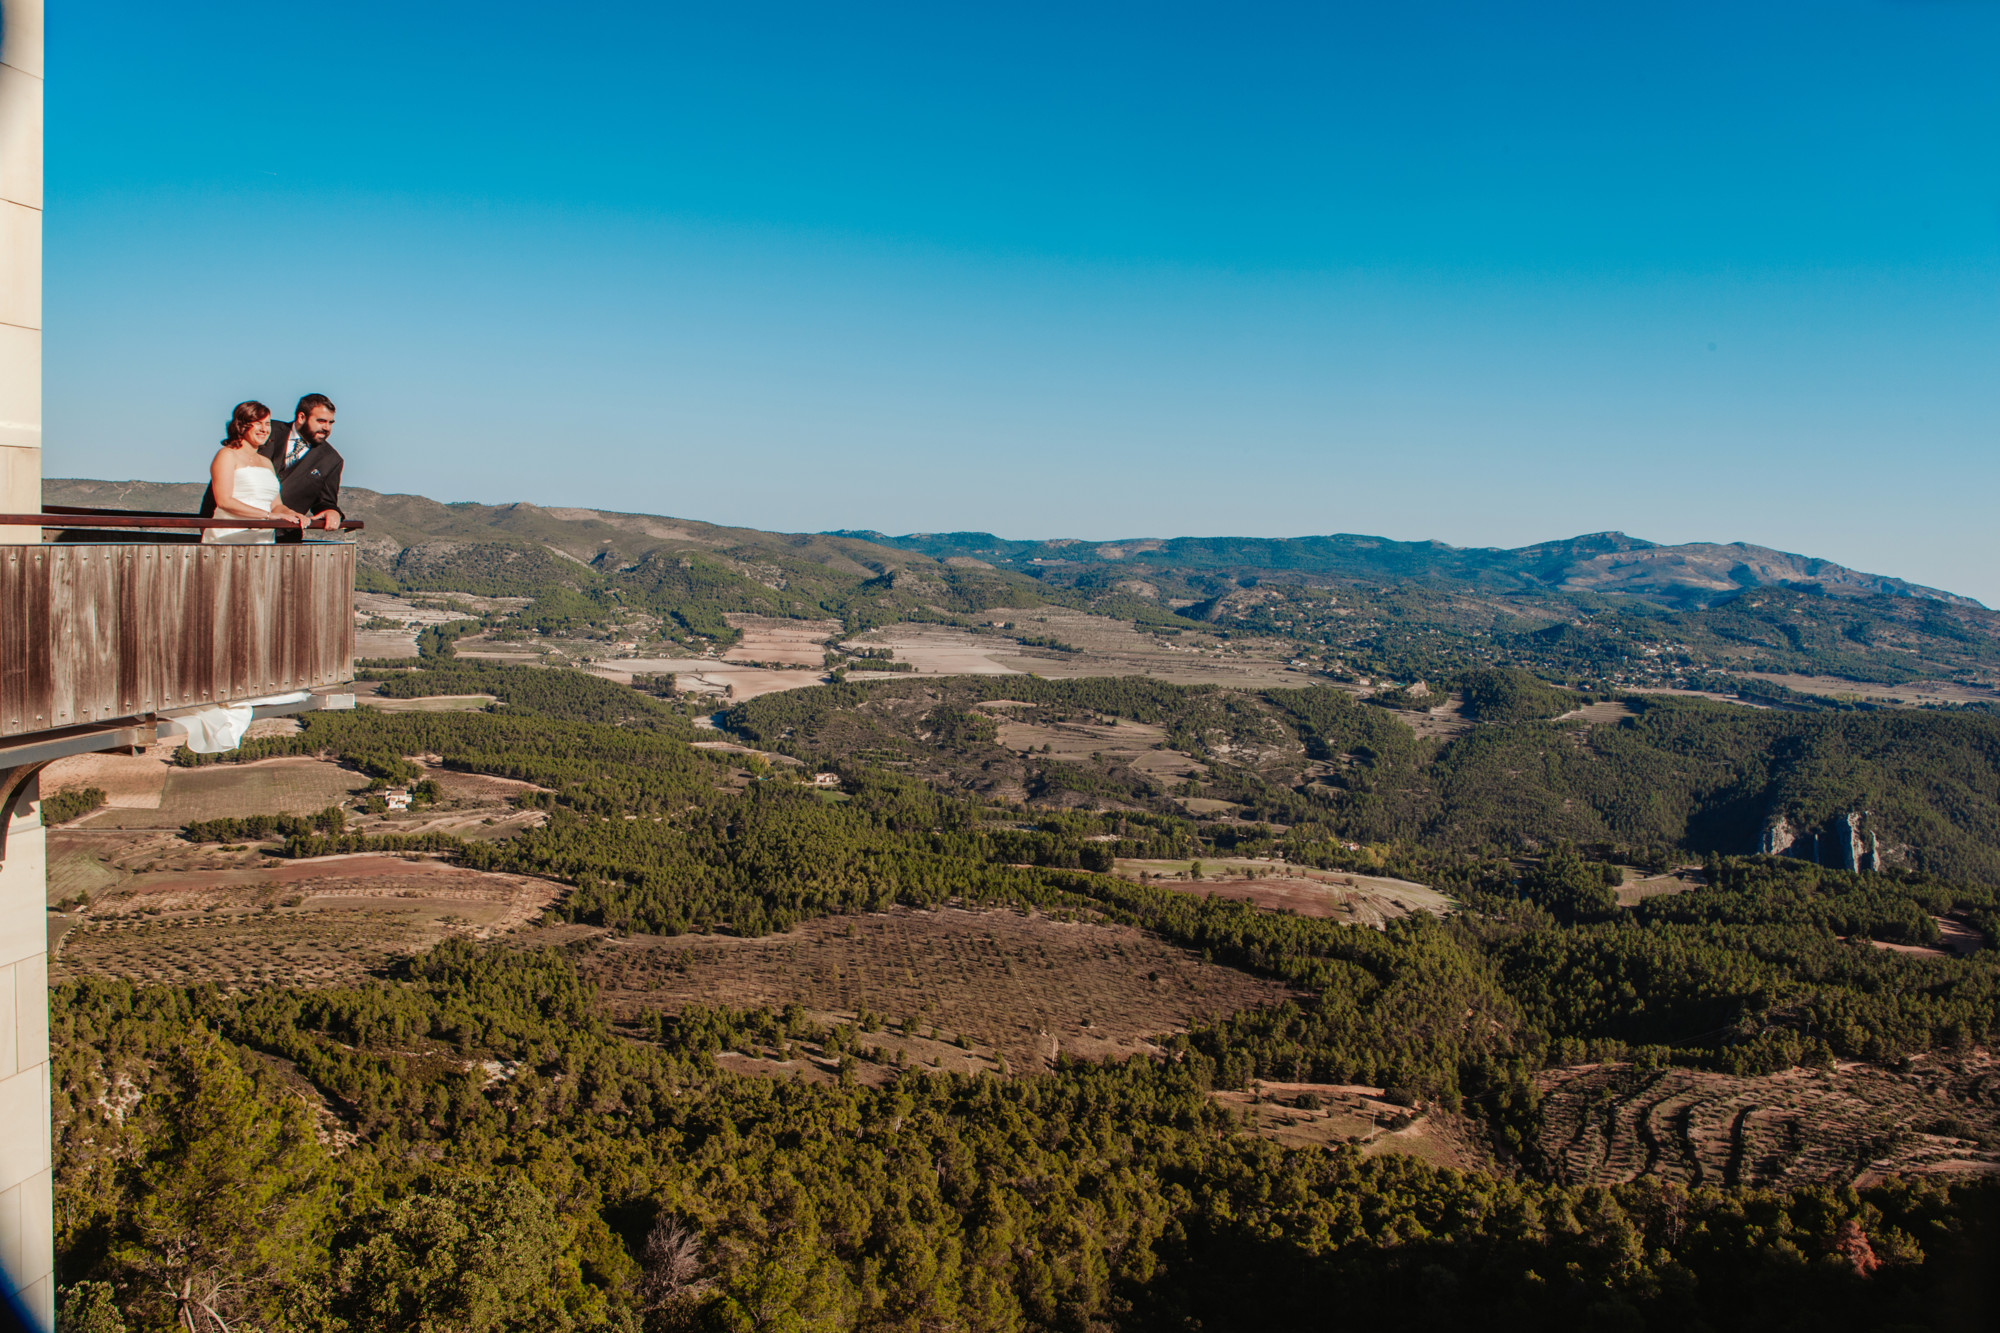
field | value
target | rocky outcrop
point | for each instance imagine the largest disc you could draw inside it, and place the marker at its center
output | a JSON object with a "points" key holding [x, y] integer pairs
{"points": [[1848, 845], [1843, 843], [1777, 838]]}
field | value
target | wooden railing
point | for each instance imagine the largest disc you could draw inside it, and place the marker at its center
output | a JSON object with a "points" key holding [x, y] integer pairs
{"points": [[78, 523], [91, 633]]}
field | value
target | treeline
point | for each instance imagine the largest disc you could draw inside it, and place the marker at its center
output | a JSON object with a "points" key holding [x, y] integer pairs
{"points": [[569, 694], [590, 767], [600, 1183], [255, 828]]}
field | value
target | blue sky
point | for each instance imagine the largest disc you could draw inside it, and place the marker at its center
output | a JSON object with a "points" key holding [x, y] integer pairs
{"points": [[1483, 273]]}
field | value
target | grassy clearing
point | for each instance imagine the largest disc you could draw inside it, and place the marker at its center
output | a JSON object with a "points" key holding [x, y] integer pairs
{"points": [[437, 703]]}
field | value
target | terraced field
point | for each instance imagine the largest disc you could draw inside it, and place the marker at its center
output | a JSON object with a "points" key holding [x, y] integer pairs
{"points": [[1609, 1123]]}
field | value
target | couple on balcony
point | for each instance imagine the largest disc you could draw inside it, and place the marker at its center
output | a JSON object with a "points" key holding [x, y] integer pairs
{"points": [[285, 471]]}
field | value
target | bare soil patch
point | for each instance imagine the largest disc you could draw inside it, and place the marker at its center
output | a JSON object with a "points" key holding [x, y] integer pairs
{"points": [[482, 649], [436, 703], [1336, 895], [940, 650], [1023, 987], [75, 872], [1961, 937], [1910, 695], [1105, 647], [729, 682], [1638, 888], [1441, 723], [1139, 745], [800, 643], [792, 649], [130, 781], [1338, 1113], [1711, 695], [1609, 712], [1918, 950], [1206, 805], [879, 1057], [731, 747]]}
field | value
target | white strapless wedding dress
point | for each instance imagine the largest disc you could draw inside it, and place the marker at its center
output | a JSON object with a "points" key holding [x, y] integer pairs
{"points": [[258, 488]]}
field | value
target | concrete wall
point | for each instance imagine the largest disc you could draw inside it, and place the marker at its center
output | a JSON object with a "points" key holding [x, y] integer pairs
{"points": [[20, 263], [27, 1215], [27, 1207]]}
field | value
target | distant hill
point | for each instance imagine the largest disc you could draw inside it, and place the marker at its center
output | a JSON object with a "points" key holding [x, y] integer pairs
{"points": [[404, 522], [1603, 610], [1694, 574]]}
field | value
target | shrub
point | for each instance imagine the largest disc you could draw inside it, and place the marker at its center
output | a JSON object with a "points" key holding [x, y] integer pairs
{"points": [[71, 803]]}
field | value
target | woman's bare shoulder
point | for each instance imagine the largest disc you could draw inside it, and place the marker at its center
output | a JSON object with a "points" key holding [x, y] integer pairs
{"points": [[236, 456]]}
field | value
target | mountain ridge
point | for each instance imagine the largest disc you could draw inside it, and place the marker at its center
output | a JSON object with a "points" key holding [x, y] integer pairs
{"points": [[1602, 562], [1690, 574]]}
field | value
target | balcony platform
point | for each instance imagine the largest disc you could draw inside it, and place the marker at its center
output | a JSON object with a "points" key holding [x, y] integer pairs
{"points": [[101, 632]]}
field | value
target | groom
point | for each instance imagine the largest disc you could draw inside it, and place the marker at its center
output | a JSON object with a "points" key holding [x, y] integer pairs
{"points": [[308, 467]]}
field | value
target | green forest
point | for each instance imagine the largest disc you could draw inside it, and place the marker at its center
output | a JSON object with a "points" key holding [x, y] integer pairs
{"points": [[468, 1142], [607, 1183], [1675, 776]]}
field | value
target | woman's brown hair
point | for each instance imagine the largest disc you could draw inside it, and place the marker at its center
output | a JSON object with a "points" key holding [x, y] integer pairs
{"points": [[242, 419]]}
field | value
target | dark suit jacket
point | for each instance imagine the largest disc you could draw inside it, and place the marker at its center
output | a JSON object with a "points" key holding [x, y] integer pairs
{"points": [[310, 485]]}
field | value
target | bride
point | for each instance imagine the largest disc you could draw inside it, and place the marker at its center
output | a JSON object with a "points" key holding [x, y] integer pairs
{"points": [[245, 484]]}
